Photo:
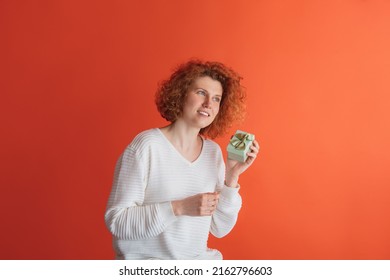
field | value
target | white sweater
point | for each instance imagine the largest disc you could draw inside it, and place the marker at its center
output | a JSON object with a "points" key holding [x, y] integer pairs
{"points": [[148, 176]]}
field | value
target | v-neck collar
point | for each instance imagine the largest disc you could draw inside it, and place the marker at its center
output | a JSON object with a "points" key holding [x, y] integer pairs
{"points": [[169, 143]]}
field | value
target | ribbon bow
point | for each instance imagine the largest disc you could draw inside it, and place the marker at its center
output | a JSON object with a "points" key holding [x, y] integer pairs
{"points": [[238, 141]]}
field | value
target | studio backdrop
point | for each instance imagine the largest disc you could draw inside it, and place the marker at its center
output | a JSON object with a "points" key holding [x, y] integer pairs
{"points": [[78, 80]]}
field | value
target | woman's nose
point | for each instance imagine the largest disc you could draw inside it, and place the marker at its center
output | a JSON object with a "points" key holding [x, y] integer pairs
{"points": [[206, 102]]}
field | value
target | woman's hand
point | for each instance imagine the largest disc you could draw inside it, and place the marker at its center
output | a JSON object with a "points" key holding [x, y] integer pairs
{"points": [[203, 204], [235, 168]]}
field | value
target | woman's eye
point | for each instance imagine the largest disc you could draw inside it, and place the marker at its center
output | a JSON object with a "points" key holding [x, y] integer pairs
{"points": [[217, 99], [201, 92]]}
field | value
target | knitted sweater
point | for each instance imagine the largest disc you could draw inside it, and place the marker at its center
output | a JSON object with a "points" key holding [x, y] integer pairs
{"points": [[148, 176]]}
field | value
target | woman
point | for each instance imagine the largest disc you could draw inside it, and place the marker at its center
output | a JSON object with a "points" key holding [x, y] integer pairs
{"points": [[170, 185]]}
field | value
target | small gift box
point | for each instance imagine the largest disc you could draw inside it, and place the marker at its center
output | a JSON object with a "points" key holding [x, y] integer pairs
{"points": [[239, 145]]}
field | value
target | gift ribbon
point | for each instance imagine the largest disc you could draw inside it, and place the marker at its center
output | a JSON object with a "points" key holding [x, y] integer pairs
{"points": [[238, 141]]}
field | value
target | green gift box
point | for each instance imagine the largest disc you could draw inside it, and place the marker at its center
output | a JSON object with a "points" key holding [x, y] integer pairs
{"points": [[239, 145]]}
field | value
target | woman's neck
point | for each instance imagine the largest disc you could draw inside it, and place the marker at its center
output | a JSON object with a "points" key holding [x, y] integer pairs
{"points": [[182, 137]]}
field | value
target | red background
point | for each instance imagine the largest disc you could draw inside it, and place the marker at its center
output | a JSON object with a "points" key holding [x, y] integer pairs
{"points": [[77, 84]]}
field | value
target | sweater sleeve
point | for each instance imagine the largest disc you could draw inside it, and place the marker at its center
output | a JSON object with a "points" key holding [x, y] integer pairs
{"points": [[225, 216], [126, 216]]}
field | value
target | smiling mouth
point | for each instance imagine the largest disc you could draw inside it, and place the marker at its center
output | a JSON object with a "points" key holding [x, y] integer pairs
{"points": [[204, 113]]}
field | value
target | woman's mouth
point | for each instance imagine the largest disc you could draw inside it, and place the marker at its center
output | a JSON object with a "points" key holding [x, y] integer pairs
{"points": [[204, 113]]}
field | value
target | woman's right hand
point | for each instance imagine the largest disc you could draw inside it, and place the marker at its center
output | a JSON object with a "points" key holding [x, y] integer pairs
{"points": [[203, 204]]}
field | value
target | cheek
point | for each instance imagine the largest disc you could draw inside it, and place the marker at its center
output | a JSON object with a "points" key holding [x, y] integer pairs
{"points": [[191, 101], [217, 107], [215, 112]]}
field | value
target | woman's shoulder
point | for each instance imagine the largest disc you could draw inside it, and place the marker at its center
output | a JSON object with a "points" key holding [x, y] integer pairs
{"points": [[146, 135], [145, 138]]}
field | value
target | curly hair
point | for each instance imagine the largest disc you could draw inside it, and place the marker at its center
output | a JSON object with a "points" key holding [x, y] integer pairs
{"points": [[171, 94]]}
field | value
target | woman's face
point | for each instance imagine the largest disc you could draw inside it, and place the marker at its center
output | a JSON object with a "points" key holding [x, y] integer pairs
{"points": [[202, 102]]}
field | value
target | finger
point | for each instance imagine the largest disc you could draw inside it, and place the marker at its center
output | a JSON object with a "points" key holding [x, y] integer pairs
{"points": [[212, 204], [211, 193], [254, 149], [209, 200], [212, 209], [213, 196], [252, 154], [208, 211], [206, 197], [255, 146], [251, 158]]}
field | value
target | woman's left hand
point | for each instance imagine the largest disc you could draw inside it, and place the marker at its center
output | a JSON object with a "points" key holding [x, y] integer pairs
{"points": [[235, 168]]}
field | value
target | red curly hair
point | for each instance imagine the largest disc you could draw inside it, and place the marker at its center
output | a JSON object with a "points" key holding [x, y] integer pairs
{"points": [[171, 94]]}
